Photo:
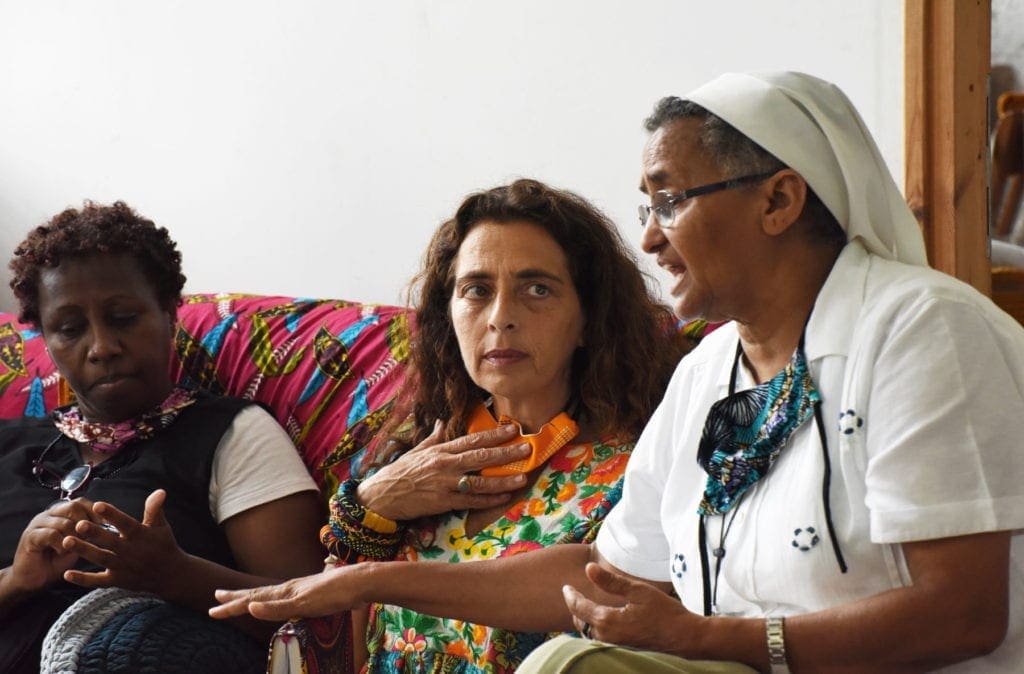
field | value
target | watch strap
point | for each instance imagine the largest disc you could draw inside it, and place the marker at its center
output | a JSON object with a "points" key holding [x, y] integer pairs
{"points": [[776, 638]]}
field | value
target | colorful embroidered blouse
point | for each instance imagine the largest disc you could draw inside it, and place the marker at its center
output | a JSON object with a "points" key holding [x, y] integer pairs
{"points": [[566, 505]]}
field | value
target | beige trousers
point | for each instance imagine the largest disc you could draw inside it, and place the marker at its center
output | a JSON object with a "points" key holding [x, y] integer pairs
{"points": [[573, 655]]}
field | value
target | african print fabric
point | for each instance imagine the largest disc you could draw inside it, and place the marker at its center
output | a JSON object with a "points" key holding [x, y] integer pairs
{"points": [[578, 487], [745, 432], [110, 438]]}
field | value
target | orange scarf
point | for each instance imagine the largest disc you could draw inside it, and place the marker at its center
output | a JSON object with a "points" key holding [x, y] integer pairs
{"points": [[544, 443]]}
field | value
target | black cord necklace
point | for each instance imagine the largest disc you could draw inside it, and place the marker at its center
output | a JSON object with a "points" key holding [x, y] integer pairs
{"points": [[72, 482], [719, 552], [711, 593]]}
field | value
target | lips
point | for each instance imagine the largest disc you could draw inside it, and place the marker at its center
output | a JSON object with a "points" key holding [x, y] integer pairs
{"points": [[504, 356], [678, 271], [674, 268], [108, 380]]}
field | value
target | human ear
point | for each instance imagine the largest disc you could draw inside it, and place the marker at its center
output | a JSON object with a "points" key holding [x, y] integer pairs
{"points": [[787, 194]]}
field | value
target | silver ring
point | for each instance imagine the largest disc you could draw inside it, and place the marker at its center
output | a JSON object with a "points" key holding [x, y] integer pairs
{"points": [[464, 485], [586, 630]]}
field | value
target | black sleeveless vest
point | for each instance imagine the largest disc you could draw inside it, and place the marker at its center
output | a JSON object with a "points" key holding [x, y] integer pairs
{"points": [[178, 459]]}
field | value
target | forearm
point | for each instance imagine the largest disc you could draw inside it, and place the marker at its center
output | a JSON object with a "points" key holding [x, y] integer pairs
{"points": [[897, 630], [194, 580], [907, 629], [10, 595], [194, 583], [520, 593]]}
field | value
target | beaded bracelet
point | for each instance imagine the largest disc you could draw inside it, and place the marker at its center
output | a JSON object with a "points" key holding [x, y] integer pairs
{"points": [[354, 533]]}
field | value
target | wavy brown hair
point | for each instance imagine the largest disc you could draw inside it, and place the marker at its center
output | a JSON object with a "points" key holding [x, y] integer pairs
{"points": [[96, 229], [631, 344]]}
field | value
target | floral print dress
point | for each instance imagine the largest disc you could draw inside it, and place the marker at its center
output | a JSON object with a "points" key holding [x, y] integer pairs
{"points": [[566, 504]]}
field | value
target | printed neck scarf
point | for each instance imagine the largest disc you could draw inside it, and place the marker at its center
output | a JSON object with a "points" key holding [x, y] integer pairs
{"points": [[544, 443], [745, 432], [110, 438]]}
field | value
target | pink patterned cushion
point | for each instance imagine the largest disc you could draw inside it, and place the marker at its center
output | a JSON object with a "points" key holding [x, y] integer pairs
{"points": [[28, 379], [328, 369]]}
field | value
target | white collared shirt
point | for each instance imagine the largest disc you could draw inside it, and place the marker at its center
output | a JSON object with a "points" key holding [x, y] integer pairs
{"points": [[922, 384]]}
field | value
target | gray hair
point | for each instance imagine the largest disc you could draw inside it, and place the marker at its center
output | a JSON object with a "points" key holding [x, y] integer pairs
{"points": [[731, 151], [738, 155]]}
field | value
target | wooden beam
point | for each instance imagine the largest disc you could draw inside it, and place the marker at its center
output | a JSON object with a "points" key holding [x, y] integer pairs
{"points": [[947, 64]]}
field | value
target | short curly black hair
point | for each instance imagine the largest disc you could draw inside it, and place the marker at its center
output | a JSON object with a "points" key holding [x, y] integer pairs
{"points": [[96, 229]]}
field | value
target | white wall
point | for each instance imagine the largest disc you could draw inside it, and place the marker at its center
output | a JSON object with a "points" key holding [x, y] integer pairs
{"points": [[310, 147]]}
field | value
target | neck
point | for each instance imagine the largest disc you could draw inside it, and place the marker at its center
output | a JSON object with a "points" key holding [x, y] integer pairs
{"points": [[92, 416], [780, 308], [531, 415]]}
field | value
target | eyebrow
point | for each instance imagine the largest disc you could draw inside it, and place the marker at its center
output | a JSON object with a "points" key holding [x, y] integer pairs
{"points": [[656, 177], [523, 275]]}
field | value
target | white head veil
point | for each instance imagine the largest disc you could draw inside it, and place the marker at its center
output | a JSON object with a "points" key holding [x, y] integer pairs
{"points": [[813, 128]]}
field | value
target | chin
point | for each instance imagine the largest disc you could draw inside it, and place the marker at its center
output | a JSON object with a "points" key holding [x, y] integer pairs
{"points": [[686, 313]]}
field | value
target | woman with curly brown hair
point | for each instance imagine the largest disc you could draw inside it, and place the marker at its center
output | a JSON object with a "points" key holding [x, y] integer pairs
{"points": [[539, 353], [139, 484]]}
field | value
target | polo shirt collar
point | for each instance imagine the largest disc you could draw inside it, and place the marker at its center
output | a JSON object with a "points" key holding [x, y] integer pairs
{"points": [[839, 303], [830, 328]]}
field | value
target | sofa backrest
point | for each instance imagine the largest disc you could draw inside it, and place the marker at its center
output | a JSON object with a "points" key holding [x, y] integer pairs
{"points": [[328, 369]]}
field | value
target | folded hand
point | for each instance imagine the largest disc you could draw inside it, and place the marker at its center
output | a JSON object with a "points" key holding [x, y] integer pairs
{"points": [[41, 558]]}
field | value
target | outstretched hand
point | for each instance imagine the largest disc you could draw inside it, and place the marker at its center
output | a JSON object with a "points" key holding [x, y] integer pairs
{"points": [[646, 618], [425, 480], [313, 596], [134, 555]]}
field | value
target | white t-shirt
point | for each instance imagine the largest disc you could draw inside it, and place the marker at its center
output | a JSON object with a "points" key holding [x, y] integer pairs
{"points": [[254, 463], [922, 384]]}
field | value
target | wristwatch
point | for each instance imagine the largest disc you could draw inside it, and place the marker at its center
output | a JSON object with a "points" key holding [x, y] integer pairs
{"points": [[776, 645]]}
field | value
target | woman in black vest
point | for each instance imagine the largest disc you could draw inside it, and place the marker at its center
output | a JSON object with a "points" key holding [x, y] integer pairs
{"points": [[139, 484]]}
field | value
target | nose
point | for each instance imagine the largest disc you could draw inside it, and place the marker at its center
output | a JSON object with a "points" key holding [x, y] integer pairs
{"points": [[502, 315], [653, 238], [105, 344]]}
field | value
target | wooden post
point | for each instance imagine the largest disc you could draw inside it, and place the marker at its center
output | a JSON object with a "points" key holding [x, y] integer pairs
{"points": [[947, 64]]}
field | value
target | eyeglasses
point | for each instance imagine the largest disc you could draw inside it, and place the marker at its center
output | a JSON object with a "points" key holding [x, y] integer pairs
{"points": [[69, 484], [663, 202]]}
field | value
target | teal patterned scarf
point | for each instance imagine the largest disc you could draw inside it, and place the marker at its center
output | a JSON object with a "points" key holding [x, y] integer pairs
{"points": [[745, 432]]}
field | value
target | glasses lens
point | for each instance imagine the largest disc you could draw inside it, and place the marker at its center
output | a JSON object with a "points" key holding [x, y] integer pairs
{"points": [[663, 209], [645, 214], [75, 480]]}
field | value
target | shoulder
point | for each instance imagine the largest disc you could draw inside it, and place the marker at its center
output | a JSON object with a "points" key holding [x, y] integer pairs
{"points": [[210, 402], [894, 285], [25, 424], [25, 432], [906, 297], [713, 348]]}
